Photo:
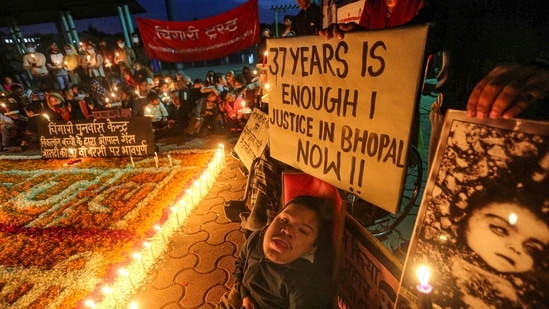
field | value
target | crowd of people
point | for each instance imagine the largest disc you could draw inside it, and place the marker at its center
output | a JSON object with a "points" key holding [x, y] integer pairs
{"points": [[71, 83]]}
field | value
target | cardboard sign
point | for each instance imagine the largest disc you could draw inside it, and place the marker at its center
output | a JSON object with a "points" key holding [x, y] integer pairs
{"points": [[342, 111], [369, 274], [96, 138], [112, 113], [253, 139], [483, 224]]}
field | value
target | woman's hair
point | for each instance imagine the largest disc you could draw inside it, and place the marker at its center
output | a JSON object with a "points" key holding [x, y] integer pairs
{"points": [[527, 195], [324, 211]]}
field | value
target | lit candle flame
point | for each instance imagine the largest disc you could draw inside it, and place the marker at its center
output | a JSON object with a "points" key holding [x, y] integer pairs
{"points": [[423, 275]]}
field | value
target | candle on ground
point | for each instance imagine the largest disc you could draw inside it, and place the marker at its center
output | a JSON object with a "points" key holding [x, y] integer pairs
{"points": [[424, 288]]}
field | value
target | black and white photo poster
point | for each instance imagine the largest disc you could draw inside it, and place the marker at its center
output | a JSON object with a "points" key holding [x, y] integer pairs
{"points": [[483, 225]]}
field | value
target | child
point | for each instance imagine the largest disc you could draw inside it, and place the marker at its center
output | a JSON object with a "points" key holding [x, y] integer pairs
{"points": [[504, 229], [156, 110], [287, 264]]}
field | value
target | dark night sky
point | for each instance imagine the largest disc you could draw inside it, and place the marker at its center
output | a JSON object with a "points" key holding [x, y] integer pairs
{"points": [[184, 10]]}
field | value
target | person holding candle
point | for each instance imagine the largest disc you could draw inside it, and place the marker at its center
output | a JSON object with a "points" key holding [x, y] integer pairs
{"points": [[73, 63], [287, 264], [124, 56], [231, 108], [35, 62], [56, 66], [157, 111], [94, 63]]}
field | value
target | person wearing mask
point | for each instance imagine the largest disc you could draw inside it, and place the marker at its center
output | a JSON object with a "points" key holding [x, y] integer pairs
{"points": [[109, 66], [94, 63], [139, 49], [73, 63], [56, 66], [124, 56], [35, 62]]}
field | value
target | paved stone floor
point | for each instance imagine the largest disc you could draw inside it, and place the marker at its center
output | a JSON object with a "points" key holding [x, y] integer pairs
{"points": [[196, 269]]}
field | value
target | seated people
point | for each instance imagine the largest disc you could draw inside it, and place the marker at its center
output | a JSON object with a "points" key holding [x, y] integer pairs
{"points": [[233, 119], [289, 263], [6, 127], [156, 110], [177, 114], [56, 108], [210, 114], [13, 130]]}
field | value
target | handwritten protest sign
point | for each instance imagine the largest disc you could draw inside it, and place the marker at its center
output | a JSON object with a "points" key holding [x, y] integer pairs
{"points": [[369, 274], [96, 138], [254, 138], [342, 110]]}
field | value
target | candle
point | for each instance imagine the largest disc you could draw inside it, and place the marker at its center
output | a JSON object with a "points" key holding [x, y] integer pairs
{"points": [[131, 159], [174, 210], [170, 159], [133, 305], [125, 273], [243, 104], [90, 304], [424, 288], [264, 59], [197, 184], [184, 205], [156, 159], [47, 117], [190, 194], [159, 229], [106, 291], [147, 245], [137, 256], [88, 57]]}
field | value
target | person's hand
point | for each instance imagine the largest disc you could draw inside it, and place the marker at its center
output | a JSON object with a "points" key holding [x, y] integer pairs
{"points": [[248, 303], [338, 30], [508, 90]]}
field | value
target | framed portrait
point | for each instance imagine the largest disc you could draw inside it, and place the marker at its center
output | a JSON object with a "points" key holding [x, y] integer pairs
{"points": [[483, 225]]}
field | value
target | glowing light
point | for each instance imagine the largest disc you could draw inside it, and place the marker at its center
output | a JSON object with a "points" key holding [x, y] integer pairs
{"points": [[513, 218], [423, 274], [90, 304]]}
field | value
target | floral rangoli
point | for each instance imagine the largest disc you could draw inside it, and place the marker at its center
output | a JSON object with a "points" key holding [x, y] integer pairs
{"points": [[86, 234]]}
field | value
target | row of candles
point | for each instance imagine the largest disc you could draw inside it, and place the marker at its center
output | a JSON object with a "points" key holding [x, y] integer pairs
{"points": [[131, 277]]}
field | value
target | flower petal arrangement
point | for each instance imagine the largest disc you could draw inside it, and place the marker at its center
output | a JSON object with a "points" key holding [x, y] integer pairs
{"points": [[71, 234]]}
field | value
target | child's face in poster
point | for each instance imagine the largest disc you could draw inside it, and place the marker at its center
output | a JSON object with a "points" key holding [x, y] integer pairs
{"points": [[507, 245]]}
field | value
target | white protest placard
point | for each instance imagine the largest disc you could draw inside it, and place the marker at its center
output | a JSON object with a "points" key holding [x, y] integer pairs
{"points": [[342, 110], [253, 139]]}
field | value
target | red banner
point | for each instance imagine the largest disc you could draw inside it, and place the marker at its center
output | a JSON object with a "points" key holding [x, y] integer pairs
{"points": [[203, 39]]}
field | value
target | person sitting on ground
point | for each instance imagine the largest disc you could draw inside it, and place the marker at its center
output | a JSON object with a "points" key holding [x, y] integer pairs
{"points": [[6, 126], [56, 107], [156, 110], [230, 106], [210, 114], [289, 263]]}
